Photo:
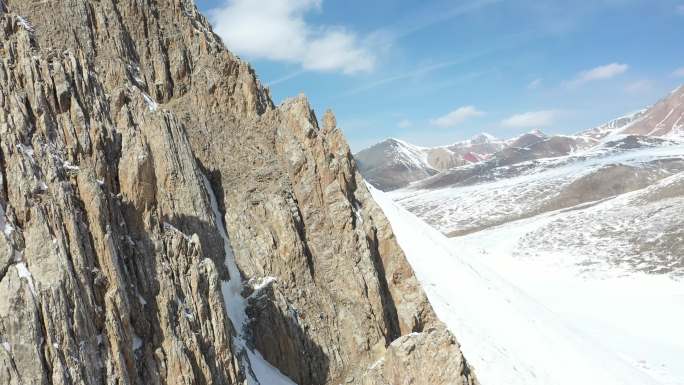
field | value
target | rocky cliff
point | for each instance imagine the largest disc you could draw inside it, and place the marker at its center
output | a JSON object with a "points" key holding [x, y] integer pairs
{"points": [[165, 223]]}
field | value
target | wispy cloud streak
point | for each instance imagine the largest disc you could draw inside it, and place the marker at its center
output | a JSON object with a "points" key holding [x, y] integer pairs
{"points": [[603, 72]]}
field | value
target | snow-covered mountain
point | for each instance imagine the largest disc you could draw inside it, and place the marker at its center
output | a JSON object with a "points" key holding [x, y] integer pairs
{"points": [[393, 163], [384, 164]]}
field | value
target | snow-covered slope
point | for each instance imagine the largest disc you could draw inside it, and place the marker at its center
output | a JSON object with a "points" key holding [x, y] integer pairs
{"points": [[614, 126], [596, 238], [636, 316], [509, 336], [472, 198]]}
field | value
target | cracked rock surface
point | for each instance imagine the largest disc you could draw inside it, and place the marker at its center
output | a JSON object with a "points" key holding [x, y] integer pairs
{"points": [[112, 114]]}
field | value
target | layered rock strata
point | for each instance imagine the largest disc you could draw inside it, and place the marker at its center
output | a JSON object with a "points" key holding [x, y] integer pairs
{"points": [[125, 128]]}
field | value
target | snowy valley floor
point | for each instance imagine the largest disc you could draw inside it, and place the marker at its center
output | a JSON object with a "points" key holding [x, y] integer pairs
{"points": [[540, 322]]}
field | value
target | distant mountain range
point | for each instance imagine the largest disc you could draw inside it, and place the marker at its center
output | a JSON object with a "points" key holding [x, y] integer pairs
{"points": [[393, 163]]}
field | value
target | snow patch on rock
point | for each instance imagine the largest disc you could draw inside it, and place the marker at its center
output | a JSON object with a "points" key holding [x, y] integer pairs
{"points": [[151, 104], [24, 272], [5, 227], [137, 343], [25, 24]]}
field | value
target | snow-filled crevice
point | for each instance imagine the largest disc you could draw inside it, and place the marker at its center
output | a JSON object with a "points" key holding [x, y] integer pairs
{"points": [[24, 273], [3, 176], [6, 230], [24, 23], [257, 370], [3, 221], [151, 104]]}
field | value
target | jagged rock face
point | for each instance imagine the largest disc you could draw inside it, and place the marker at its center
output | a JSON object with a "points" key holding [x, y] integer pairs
{"points": [[112, 113], [411, 359], [97, 289]]}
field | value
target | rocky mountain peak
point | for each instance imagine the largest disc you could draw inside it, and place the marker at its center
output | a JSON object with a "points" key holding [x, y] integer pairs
{"points": [[164, 222], [483, 138], [394, 142], [329, 121], [528, 139], [538, 132]]}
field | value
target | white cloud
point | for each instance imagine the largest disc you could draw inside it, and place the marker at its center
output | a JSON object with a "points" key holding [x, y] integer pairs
{"points": [[456, 117], [679, 72], [412, 74], [276, 30], [534, 84], [404, 123], [639, 86], [604, 72], [533, 119]]}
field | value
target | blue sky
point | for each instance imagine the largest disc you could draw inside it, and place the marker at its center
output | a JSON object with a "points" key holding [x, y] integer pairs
{"points": [[434, 72]]}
